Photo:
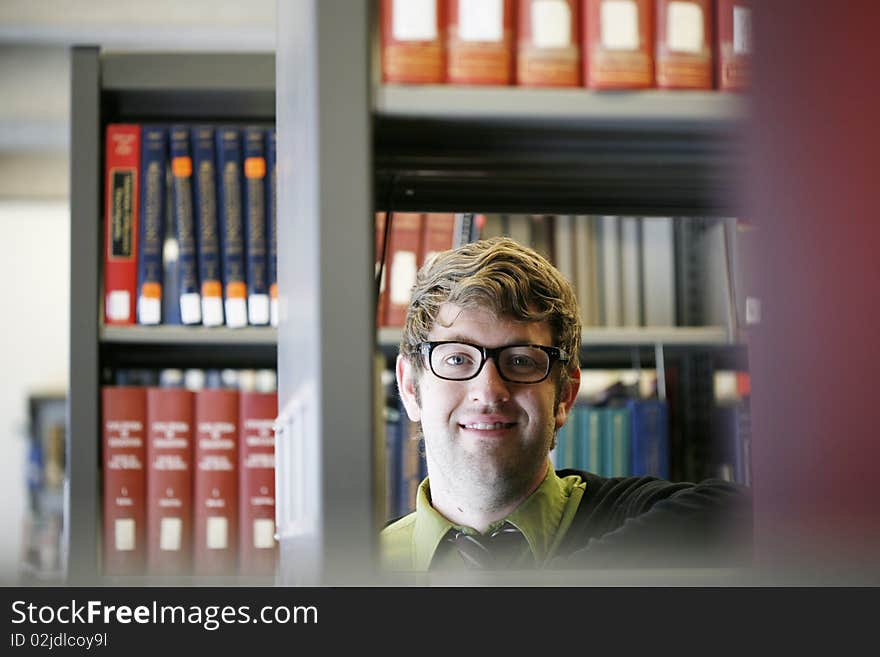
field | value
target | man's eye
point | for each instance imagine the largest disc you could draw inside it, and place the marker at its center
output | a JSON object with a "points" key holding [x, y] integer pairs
{"points": [[457, 360], [522, 362]]}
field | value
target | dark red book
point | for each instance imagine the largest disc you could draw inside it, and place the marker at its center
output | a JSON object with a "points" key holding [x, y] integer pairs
{"points": [[548, 43], [438, 232], [480, 38], [404, 256], [685, 44], [123, 442], [257, 546], [169, 480], [618, 44], [215, 547], [734, 55], [413, 41], [121, 166]]}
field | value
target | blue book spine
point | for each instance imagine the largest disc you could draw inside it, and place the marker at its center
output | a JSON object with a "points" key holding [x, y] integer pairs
{"points": [[255, 225], [154, 157], [170, 252], [615, 445], [205, 203], [231, 226], [649, 438], [181, 189], [562, 448], [272, 225], [594, 419]]}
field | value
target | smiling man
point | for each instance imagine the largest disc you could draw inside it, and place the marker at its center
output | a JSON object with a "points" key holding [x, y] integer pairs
{"points": [[489, 366]]}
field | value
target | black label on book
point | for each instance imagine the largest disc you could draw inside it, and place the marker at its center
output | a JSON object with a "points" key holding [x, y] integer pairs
{"points": [[122, 190]]}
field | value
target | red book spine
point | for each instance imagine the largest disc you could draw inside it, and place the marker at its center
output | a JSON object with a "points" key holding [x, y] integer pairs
{"points": [[403, 261], [169, 480], [412, 33], [121, 166], [124, 420], [215, 549], [734, 56], [548, 43], [257, 547], [618, 44], [685, 42], [438, 234], [480, 42]]}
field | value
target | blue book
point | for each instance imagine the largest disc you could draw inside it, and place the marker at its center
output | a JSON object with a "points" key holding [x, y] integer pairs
{"points": [[181, 190], [564, 448], [255, 225], [154, 156], [170, 252], [615, 443], [272, 225], [205, 209], [649, 438], [590, 427], [231, 226]]}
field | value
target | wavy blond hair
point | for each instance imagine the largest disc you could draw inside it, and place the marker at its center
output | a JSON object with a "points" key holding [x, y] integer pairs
{"points": [[500, 275]]}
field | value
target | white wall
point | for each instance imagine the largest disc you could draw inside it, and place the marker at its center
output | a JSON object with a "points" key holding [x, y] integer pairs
{"points": [[34, 278]]}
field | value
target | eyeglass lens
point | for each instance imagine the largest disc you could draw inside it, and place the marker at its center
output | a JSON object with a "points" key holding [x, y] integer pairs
{"points": [[461, 361]]}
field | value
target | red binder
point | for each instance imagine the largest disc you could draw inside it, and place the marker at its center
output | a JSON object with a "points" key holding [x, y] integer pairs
{"points": [[481, 42], [734, 56], [413, 41], [404, 256], [548, 43], [618, 44], [685, 44]]}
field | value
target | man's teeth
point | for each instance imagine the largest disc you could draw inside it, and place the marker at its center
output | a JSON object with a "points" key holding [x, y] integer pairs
{"points": [[481, 426]]}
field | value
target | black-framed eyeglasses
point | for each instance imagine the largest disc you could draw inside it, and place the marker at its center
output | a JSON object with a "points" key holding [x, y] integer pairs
{"points": [[516, 363]]}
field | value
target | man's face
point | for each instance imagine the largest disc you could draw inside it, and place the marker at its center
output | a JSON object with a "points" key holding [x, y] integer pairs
{"points": [[486, 431]]}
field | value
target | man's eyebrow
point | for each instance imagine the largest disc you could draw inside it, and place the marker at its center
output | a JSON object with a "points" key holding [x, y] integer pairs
{"points": [[462, 338]]}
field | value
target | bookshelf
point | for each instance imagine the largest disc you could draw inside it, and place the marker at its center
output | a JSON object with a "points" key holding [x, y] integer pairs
{"points": [[359, 146], [138, 87]]}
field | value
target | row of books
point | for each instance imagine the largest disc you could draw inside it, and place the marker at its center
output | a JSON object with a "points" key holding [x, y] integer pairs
{"points": [[598, 44], [188, 480], [190, 225], [622, 268]]}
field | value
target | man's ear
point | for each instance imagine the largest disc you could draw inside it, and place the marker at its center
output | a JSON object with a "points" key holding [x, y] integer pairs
{"points": [[569, 395], [406, 385]]}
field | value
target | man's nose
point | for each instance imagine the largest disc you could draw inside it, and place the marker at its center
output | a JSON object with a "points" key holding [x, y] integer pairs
{"points": [[488, 387]]}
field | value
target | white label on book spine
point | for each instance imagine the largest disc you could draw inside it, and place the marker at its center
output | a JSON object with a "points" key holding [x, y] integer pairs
{"points": [[684, 27], [480, 20], [619, 25], [149, 311], [403, 276], [236, 313], [123, 534], [217, 533], [118, 305], [258, 309], [264, 533], [742, 30], [191, 308], [212, 311], [414, 20], [551, 24], [170, 534]]}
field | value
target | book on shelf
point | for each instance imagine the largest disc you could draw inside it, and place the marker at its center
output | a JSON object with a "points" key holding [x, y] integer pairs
{"points": [[255, 225], [272, 223], [616, 440], [548, 43], [438, 234], [232, 247], [618, 50], [610, 307], [413, 38], [649, 437], [586, 280], [591, 421], [215, 489], [170, 255], [154, 155], [480, 37], [563, 246], [520, 229], [630, 271], [403, 259], [123, 422], [182, 195], [169, 480], [205, 209], [658, 271], [685, 44], [121, 179], [734, 44], [542, 234]]}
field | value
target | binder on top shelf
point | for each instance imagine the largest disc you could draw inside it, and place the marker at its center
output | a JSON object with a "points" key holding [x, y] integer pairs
{"points": [[437, 234], [215, 549], [413, 41], [548, 43], [255, 225], [205, 208], [182, 194], [257, 546], [404, 257], [154, 155], [124, 421], [481, 42], [231, 226], [685, 43], [618, 44], [169, 480], [272, 224], [734, 53], [122, 162]]}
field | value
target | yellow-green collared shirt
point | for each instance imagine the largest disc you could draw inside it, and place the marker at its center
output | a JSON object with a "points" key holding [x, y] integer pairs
{"points": [[410, 543]]}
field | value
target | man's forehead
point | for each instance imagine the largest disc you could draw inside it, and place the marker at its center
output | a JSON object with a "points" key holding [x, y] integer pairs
{"points": [[483, 325]]}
